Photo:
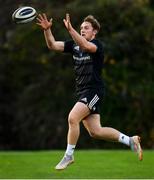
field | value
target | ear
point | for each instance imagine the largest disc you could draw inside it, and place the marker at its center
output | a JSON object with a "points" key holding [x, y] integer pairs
{"points": [[95, 31]]}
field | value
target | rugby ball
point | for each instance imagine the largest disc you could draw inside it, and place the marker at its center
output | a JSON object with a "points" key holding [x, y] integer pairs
{"points": [[24, 15]]}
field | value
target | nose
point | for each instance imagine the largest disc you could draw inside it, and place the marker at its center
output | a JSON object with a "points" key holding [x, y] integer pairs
{"points": [[82, 31]]}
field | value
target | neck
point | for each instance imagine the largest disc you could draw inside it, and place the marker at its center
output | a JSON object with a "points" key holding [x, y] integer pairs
{"points": [[93, 37]]}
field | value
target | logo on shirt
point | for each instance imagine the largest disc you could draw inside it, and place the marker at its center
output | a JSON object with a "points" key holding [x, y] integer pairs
{"points": [[81, 58], [93, 108], [76, 48], [84, 100]]}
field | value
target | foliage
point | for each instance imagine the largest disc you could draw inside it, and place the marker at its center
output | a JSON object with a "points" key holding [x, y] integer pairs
{"points": [[37, 86]]}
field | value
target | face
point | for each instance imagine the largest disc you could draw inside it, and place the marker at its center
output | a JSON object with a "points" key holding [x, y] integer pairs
{"points": [[87, 31]]}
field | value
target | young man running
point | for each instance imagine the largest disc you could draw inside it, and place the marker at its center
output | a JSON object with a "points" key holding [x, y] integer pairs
{"points": [[88, 57]]}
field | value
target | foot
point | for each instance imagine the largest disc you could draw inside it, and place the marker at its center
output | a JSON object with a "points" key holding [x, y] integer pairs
{"points": [[67, 160], [135, 146]]}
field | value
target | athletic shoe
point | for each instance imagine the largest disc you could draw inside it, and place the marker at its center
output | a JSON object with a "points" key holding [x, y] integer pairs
{"points": [[135, 146], [67, 160]]}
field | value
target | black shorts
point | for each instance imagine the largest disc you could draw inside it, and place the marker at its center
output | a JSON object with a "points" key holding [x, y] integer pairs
{"points": [[93, 99]]}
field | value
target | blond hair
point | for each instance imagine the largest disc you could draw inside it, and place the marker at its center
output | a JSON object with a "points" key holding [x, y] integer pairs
{"points": [[95, 24]]}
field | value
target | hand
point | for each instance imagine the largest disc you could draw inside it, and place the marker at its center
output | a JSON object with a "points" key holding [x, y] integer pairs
{"points": [[67, 22], [43, 21]]}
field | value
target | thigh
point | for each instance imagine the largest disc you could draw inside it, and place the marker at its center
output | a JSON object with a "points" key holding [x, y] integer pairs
{"points": [[79, 111], [92, 122]]}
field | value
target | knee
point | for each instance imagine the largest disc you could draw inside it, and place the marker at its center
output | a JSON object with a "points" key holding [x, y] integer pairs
{"points": [[72, 121], [94, 134]]}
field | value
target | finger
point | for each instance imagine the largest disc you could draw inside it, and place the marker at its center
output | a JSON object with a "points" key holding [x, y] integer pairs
{"points": [[40, 17], [39, 20], [45, 17], [65, 22], [68, 17], [51, 20], [38, 24]]}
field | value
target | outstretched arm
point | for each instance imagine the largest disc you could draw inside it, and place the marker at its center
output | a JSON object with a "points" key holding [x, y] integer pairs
{"points": [[45, 24], [81, 41]]}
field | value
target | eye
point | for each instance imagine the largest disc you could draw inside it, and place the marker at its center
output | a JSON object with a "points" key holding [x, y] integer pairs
{"points": [[86, 27]]}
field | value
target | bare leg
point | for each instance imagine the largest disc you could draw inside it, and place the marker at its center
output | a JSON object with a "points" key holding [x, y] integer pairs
{"points": [[93, 125], [78, 112]]}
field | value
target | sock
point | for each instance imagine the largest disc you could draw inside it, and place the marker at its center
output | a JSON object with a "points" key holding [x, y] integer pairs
{"points": [[124, 139], [70, 149]]}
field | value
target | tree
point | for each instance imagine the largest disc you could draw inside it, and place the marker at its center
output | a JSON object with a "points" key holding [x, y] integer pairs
{"points": [[37, 86]]}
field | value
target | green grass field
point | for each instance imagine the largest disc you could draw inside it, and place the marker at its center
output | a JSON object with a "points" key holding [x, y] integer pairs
{"points": [[89, 164]]}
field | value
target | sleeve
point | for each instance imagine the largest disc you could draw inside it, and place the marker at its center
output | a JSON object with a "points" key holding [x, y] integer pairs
{"points": [[99, 46], [68, 46]]}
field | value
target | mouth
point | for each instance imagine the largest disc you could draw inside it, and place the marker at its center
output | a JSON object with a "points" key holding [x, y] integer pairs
{"points": [[83, 35]]}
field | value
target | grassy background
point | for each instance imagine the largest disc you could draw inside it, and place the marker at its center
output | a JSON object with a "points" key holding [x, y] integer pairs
{"points": [[88, 164]]}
